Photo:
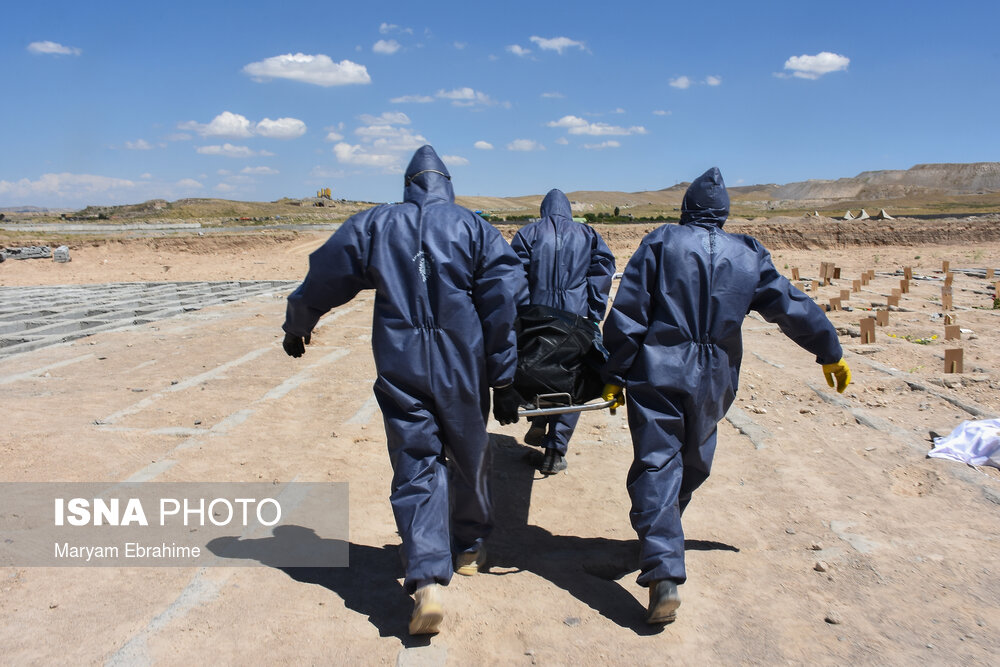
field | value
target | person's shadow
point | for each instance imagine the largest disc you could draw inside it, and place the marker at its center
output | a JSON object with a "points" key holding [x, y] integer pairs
{"points": [[368, 585], [587, 568]]}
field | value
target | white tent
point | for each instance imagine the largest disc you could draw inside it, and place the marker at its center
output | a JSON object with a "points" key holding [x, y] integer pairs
{"points": [[863, 215], [882, 215], [848, 216]]}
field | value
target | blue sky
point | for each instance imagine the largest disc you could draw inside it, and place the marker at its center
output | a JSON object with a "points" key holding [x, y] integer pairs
{"points": [[121, 102]]}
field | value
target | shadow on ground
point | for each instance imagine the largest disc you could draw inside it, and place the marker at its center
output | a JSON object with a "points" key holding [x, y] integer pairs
{"points": [[585, 567]]}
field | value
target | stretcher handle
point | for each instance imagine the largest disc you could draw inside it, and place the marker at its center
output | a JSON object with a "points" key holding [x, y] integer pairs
{"points": [[568, 407]]}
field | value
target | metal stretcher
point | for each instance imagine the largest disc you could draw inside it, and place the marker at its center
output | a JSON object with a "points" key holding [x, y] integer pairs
{"points": [[546, 405]]}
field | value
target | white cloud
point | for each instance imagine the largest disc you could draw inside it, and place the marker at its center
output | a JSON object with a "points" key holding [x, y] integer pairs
{"points": [[321, 172], [229, 124], [554, 96], [179, 136], [146, 176], [225, 187], [681, 82], [333, 135], [557, 44], [282, 128], [483, 145], [386, 47], [66, 186], [138, 145], [577, 125], [259, 171], [611, 143], [454, 160], [460, 45], [713, 80], [229, 150], [661, 112], [562, 141], [386, 28], [465, 97], [525, 145], [418, 99], [813, 67], [518, 50], [387, 118], [189, 184], [319, 70], [359, 155], [53, 48], [226, 124], [618, 110]]}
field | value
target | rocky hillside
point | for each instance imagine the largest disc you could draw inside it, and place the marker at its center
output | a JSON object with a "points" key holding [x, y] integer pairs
{"points": [[921, 180]]}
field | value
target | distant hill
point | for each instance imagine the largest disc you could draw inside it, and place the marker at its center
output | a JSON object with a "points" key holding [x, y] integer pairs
{"points": [[921, 180]]}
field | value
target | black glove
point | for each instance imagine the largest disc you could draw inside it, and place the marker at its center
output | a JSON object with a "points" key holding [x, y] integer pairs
{"points": [[505, 403], [295, 346]]}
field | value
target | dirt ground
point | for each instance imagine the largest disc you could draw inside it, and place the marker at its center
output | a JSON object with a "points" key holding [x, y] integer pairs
{"points": [[824, 536]]}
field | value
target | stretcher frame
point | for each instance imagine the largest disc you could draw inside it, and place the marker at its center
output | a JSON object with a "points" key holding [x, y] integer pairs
{"points": [[560, 404]]}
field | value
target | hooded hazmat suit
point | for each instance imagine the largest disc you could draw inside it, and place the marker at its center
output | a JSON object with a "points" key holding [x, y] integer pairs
{"points": [[569, 267], [675, 344], [446, 289]]}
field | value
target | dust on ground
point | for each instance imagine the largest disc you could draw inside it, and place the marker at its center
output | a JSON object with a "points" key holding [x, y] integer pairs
{"points": [[825, 534]]}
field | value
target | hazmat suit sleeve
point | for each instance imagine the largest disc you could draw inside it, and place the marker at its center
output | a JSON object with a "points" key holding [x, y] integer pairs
{"points": [[521, 246], [337, 272], [599, 275], [627, 323], [499, 286], [798, 316]]}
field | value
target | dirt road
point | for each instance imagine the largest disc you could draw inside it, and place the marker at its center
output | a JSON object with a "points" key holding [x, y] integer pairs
{"points": [[824, 535]]}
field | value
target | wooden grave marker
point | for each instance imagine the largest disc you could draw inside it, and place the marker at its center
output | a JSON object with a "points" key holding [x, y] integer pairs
{"points": [[946, 302], [989, 274], [945, 266], [882, 317], [949, 278], [867, 330], [952, 332], [836, 272], [815, 285], [856, 286], [795, 273], [845, 295], [953, 360], [908, 272], [949, 319], [893, 299], [835, 303], [904, 286]]}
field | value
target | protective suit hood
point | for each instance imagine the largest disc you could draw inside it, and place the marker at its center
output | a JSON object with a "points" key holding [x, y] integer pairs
{"points": [[555, 205], [706, 200], [427, 178]]}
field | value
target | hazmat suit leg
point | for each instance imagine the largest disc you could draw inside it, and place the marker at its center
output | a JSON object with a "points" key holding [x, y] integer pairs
{"points": [[419, 495], [697, 466], [654, 483], [470, 459], [561, 429]]}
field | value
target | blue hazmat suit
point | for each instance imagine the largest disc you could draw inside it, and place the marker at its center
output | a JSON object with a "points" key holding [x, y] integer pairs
{"points": [[675, 344], [447, 285], [569, 267]]}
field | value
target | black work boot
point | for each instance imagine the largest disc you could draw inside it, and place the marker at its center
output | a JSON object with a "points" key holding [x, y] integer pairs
{"points": [[535, 435], [552, 462], [663, 602]]}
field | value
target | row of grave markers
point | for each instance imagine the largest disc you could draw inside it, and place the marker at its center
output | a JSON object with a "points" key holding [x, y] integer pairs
{"points": [[828, 272]]}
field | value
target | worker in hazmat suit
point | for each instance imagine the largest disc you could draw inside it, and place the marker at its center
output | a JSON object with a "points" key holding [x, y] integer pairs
{"points": [[675, 346], [569, 267], [447, 286]]}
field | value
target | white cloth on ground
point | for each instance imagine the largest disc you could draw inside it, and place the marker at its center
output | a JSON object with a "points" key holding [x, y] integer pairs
{"points": [[974, 442]]}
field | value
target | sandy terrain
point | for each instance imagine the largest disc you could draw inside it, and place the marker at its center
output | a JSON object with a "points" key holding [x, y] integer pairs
{"points": [[908, 546]]}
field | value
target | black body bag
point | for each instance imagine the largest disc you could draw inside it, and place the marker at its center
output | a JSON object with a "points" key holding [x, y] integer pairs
{"points": [[558, 353]]}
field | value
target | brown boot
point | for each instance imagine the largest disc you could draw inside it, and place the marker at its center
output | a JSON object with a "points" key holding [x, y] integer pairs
{"points": [[427, 610], [663, 602]]}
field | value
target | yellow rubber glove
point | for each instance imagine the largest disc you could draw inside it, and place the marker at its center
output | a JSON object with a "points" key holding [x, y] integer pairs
{"points": [[841, 371], [613, 392]]}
